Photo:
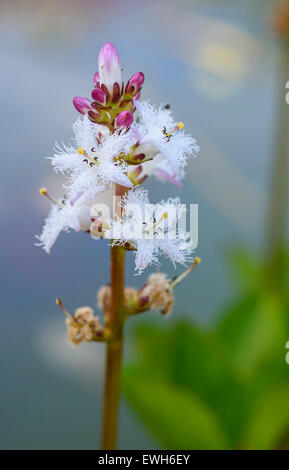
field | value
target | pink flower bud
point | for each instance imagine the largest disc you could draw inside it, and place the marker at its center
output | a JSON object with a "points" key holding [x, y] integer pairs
{"points": [[124, 119], [99, 96], [83, 105], [109, 66], [134, 84]]}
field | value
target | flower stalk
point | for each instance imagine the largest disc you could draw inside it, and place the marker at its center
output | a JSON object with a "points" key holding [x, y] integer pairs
{"points": [[114, 349]]}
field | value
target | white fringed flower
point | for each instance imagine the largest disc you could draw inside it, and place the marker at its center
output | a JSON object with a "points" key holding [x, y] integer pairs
{"points": [[63, 216], [160, 134], [151, 229], [119, 141], [93, 164], [79, 216]]}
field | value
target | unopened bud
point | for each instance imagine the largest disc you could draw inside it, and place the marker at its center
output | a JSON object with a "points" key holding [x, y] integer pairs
{"points": [[83, 105], [134, 84], [109, 66], [124, 119]]}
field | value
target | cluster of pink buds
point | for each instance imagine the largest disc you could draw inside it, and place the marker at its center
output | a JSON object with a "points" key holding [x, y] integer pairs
{"points": [[113, 104]]}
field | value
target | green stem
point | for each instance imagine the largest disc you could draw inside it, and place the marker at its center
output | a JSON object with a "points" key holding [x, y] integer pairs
{"points": [[113, 351], [114, 322], [277, 211], [111, 393]]}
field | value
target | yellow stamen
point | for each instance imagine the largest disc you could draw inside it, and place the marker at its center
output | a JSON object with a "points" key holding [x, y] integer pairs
{"points": [[163, 217], [44, 192], [179, 126], [81, 151]]}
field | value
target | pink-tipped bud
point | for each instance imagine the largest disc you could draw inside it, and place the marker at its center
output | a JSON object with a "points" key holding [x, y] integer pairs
{"points": [[109, 66], [124, 119], [96, 79], [134, 84], [83, 105], [99, 96]]}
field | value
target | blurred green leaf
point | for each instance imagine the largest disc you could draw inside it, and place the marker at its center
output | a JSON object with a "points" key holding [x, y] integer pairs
{"points": [[253, 331], [200, 364], [178, 419], [234, 373], [268, 427], [151, 346], [202, 358], [165, 348], [246, 268], [191, 359]]}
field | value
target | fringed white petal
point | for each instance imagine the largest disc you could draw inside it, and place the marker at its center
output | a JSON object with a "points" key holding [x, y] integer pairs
{"points": [[153, 234], [144, 255], [96, 164], [177, 149], [59, 219]]}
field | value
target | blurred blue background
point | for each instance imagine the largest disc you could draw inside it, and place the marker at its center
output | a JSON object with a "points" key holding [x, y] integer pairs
{"points": [[216, 63]]}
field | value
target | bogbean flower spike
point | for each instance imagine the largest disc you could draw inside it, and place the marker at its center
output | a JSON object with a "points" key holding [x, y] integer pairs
{"points": [[119, 141]]}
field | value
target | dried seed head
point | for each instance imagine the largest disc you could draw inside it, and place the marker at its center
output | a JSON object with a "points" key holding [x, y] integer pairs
{"points": [[129, 294], [157, 293], [83, 326], [104, 297], [83, 314]]}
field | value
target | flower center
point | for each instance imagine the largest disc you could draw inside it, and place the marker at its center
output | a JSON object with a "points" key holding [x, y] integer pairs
{"points": [[87, 159], [168, 135], [156, 226]]}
